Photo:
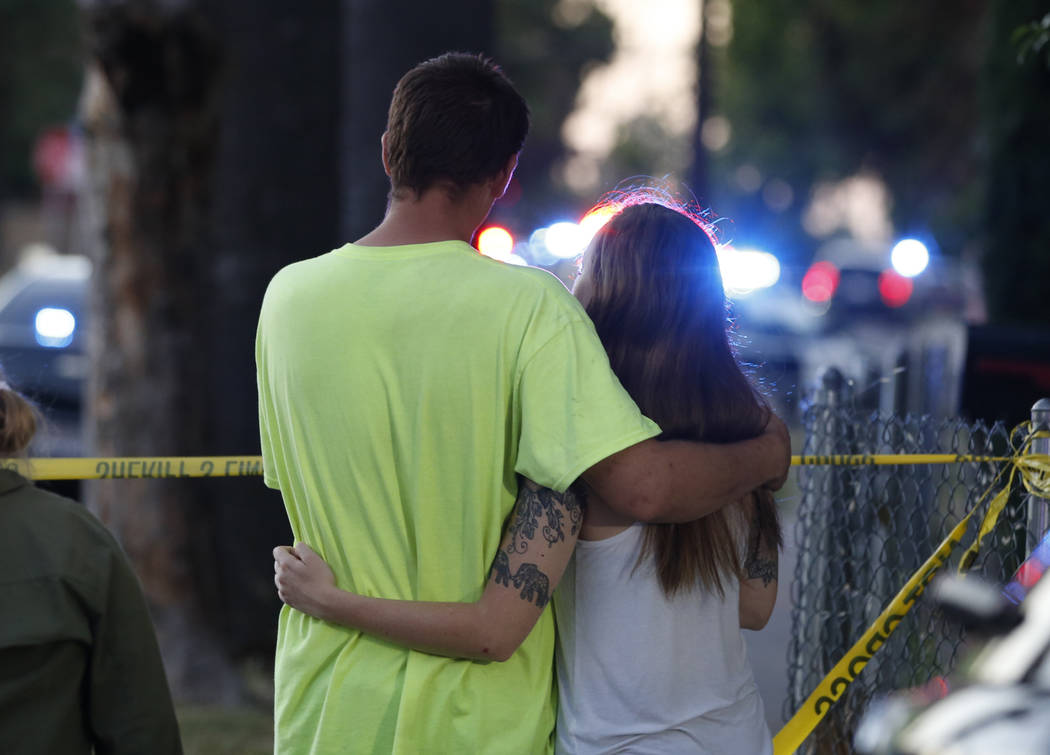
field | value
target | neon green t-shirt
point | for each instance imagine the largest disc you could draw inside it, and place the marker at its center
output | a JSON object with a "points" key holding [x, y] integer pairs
{"points": [[400, 390]]}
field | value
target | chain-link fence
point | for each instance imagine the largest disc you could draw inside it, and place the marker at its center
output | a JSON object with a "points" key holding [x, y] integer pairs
{"points": [[862, 531]]}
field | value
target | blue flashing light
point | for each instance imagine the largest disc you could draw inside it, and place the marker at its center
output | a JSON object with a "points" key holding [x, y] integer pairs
{"points": [[54, 327], [566, 240], [747, 270]]}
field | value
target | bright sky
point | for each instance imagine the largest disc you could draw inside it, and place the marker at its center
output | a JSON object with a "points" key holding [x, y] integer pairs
{"points": [[652, 71]]}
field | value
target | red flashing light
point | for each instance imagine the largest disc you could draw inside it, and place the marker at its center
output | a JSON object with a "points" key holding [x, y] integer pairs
{"points": [[1029, 573], [894, 288], [53, 156], [820, 282], [495, 242]]}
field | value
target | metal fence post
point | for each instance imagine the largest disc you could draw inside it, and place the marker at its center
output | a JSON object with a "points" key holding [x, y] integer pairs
{"points": [[1039, 508], [817, 584]]}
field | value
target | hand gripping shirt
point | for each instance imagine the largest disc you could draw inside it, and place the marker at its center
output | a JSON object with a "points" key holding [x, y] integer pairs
{"points": [[401, 390]]}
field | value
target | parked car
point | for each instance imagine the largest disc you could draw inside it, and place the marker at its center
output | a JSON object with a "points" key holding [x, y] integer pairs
{"points": [[42, 334], [850, 281]]}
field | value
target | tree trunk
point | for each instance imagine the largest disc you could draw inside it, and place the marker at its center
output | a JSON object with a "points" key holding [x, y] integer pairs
{"points": [[150, 115], [225, 140]]}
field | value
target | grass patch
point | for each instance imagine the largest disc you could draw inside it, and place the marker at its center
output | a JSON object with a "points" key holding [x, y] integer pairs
{"points": [[224, 730]]}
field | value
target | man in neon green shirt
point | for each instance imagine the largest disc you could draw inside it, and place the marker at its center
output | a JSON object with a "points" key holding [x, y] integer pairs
{"points": [[404, 384]]}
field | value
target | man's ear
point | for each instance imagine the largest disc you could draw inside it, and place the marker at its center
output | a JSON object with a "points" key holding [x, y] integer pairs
{"points": [[386, 158], [502, 179]]}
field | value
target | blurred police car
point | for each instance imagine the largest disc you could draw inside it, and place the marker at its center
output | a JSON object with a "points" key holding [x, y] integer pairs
{"points": [[851, 281], [42, 349]]}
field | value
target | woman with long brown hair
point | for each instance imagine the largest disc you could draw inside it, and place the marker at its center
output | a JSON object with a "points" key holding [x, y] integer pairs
{"points": [[650, 656]]}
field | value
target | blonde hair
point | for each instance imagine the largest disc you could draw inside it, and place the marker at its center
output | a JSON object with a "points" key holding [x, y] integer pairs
{"points": [[18, 421]]}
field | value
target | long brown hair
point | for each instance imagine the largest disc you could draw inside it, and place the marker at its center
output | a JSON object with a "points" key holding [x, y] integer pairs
{"points": [[654, 291]]}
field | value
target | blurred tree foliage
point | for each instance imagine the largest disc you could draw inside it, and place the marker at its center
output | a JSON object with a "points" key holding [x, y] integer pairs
{"points": [[646, 147], [824, 90], [546, 50], [1033, 40], [41, 70], [1016, 102]]}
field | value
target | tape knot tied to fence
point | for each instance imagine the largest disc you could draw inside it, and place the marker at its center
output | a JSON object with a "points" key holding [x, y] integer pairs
{"points": [[1034, 471]]}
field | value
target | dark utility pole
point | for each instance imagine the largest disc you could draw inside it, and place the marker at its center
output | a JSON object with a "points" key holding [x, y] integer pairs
{"points": [[698, 174]]}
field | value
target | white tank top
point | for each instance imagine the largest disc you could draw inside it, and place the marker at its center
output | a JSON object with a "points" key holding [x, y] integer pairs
{"points": [[638, 673]]}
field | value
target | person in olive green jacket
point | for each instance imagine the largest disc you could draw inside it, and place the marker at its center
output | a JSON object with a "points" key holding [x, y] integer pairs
{"points": [[80, 670]]}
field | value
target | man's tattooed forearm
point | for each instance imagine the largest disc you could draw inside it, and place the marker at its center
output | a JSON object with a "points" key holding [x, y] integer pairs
{"points": [[536, 505], [540, 510], [535, 586], [500, 571], [574, 505]]}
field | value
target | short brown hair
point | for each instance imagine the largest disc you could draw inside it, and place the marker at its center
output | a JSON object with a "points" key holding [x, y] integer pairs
{"points": [[455, 119]]}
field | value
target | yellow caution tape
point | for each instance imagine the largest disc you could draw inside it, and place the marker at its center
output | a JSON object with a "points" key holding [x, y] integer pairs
{"points": [[831, 688], [860, 460], [136, 467], [156, 467], [1035, 475], [1034, 470]]}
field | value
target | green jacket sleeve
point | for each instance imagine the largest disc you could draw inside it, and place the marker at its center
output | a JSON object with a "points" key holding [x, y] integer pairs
{"points": [[130, 711]]}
